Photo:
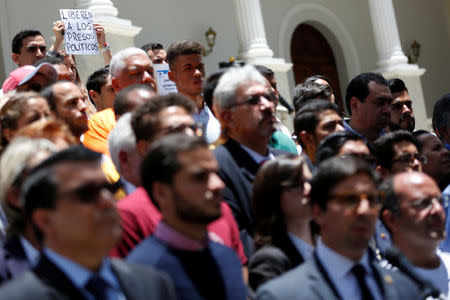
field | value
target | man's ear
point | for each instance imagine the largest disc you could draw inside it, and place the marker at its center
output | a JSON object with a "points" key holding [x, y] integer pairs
{"points": [[172, 76], [226, 117], [161, 194], [115, 84], [354, 104], [390, 220], [94, 96], [16, 58], [317, 214], [382, 171], [42, 219], [307, 139], [8, 134], [12, 197]]}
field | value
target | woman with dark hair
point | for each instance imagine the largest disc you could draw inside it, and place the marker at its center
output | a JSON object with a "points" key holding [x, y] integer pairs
{"points": [[283, 236]]}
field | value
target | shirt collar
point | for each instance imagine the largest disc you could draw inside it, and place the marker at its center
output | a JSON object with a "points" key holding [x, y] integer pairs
{"points": [[79, 274], [31, 253], [258, 158], [339, 266], [305, 249], [177, 240]]}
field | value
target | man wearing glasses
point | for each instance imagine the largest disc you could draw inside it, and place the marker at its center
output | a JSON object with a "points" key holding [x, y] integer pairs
{"points": [[413, 212], [244, 105], [346, 204], [396, 152], [28, 47], [73, 210]]}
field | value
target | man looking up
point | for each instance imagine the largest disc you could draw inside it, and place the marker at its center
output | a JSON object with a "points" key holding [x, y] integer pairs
{"points": [[28, 46], [368, 101], [187, 70]]}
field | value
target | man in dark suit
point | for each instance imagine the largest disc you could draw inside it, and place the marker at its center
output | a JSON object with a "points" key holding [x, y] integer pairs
{"points": [[345, 206], [244, 105], [180, 175], [73, 209]]}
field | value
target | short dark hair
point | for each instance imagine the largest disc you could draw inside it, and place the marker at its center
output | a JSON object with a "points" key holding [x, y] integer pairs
{"points": [[145, 119], [333, 171], [305, 92], [383, 147], [390, 197], [184, 47], [359, 87], [331, 145], [276, 175], [40, 189], [420, 132], [396, 85], [161, 162], [55, 54], [97, 79], [209, 86], [441, 113], [19, 37], [151, 46], [307, 117], [121, 102]]}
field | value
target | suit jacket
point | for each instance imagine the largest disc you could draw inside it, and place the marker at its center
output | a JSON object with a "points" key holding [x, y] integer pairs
{"points": [[47, 281], [13, 260], [273, 260], [238, 170], [306, 282]]}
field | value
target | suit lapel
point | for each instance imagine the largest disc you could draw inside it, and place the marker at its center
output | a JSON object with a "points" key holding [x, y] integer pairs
{"points": [[124, 275], [319, 284], [56, 280], [286, 245], [242, 158]]}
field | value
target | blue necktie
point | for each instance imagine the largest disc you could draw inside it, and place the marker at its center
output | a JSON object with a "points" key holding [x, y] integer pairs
{"points": [[97, 287]]}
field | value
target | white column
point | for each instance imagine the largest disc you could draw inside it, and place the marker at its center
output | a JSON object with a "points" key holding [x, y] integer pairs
{"points": [[120, 32], [250, 30], [253, 48], [392, 62]]}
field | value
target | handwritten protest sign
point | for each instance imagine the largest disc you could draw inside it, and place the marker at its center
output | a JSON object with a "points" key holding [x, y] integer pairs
{"points": [[80, 36], [165, 85]]}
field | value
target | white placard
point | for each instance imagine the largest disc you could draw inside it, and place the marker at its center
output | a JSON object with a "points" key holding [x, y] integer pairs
{"points": [[79, 36], [165, 85]]}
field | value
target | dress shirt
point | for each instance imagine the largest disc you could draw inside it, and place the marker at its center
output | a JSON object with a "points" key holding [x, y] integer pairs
{"points": [[305, 249], [339, 269], [79, 275], [258, 158], [211, 126], [177, 240], [31, 253]]}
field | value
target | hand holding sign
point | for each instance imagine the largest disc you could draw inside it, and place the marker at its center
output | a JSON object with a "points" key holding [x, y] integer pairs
{"points": [[80, 35]]}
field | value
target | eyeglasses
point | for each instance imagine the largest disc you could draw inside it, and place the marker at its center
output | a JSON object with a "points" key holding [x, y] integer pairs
{"points": [[90, 193], [427, 203], [255, 100], [362, 156], [408, 159], [351, 200], [197, 128], [34, 48]]}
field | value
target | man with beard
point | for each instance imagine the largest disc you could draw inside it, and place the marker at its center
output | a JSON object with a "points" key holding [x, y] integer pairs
{"points": [[414, 214], [402, 114], [368, 101], [180, 175], [66, 100], [245, 108], [345, 204]]}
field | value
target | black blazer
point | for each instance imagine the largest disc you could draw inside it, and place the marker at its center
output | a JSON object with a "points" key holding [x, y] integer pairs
{"points": [[271, 261], [47, 281], [13, 261], [238, 170]]}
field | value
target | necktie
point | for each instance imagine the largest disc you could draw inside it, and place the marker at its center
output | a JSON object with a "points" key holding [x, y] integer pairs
{"points": [[360, 274], [97, 287]]}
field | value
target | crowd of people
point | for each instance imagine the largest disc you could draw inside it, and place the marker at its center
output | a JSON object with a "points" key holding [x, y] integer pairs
{"points": [[109, 190]]}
